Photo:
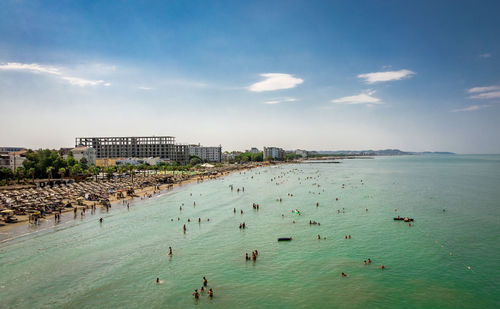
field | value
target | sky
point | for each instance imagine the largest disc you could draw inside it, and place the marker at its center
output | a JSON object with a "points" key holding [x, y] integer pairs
{"points": [[314, 75]]}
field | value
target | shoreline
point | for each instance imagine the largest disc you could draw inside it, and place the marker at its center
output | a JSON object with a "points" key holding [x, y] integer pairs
{"points": [[139, 194]]}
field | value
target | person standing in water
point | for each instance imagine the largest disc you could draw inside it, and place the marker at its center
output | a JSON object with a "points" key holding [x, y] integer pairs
{"points": [[196, 294], [210, 293], [170, 251], [204, 281]]}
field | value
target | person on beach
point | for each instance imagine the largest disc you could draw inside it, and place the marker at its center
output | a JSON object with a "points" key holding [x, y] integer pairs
{"points": [[196, 294], [205, 281], [210, 293]]}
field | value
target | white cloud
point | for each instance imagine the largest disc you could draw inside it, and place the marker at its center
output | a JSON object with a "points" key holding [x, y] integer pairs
{"points": [[362, 98], [50, 70], [280, 100], [485, 55], [376, 77], [470, 108], [144, 88], [275, 81], [487, 95], [483, 89]]}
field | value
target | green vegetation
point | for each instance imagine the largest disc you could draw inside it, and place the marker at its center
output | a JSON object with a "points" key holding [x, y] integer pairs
{"points": [[248, 157], [292, 156]]}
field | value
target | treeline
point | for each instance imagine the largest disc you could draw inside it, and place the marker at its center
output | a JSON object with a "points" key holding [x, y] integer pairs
{"points": [[50, 164], [259, 157]]}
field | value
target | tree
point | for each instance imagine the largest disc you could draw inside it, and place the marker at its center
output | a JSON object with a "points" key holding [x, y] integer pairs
{"points": [[110, 170], [130, 168], [84, 163], [49, 171], [5, 173], [20, 171], [31, 172], [95, 171], [195, 160], [62, 172], [75, 170]]}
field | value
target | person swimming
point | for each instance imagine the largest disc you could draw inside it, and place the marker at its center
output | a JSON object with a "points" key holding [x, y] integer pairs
{"points": [[247, 258], [210, 293], [382, 267], [202, 290], [196, 294], [100, 220], [319, 237], [344, 274], [369, 261], [364, 262], [204, 280], [157, 280], [170, 251]]}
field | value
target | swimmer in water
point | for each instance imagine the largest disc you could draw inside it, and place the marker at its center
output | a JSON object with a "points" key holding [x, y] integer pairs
{"points": [[196, 294], [157, 280], [382, 267], [202, 290], [319, 237], [344, 274], [210, 293], [170, 251], [100, 220], [369, 261]]}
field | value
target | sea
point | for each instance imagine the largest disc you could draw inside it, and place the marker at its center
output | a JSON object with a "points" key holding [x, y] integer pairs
{"points": [[449, 257]]}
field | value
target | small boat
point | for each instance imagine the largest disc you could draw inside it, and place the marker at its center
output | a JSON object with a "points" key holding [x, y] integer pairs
{"points": [[405, 219], [284, 238]]}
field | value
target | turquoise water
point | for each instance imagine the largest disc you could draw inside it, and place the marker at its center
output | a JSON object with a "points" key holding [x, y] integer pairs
{"points": [[82, 264]]}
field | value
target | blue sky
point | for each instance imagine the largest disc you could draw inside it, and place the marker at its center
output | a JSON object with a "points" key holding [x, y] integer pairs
{"points": [[413, 75]]}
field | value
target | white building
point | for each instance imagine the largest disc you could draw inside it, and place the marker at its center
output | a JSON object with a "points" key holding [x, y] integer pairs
{"points": [[253, 150], [302, 153], [5, 155], [274, 153], [84, 152], [139, 161], [209, 154], [16, 159]]}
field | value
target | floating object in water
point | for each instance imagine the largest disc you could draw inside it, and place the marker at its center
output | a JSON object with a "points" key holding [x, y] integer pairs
{"points": [[284, 238], [405, 219]]}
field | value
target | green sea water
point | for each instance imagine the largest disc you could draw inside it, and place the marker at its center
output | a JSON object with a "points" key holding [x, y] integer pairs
{"points": [[447, 259]]}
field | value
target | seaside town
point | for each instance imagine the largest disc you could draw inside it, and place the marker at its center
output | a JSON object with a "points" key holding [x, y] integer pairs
{"points": [[40, 184]]}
